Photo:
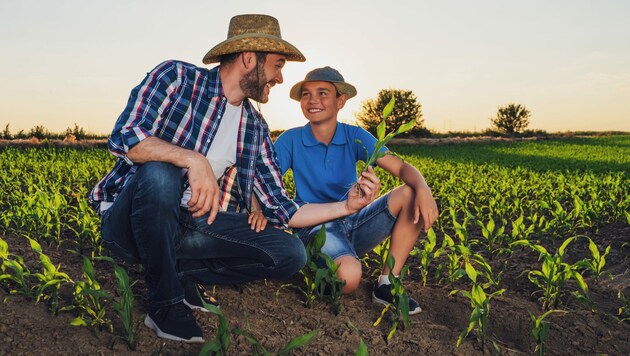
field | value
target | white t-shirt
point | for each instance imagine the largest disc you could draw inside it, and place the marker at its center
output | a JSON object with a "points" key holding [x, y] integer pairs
{"points": [[222, 153]]}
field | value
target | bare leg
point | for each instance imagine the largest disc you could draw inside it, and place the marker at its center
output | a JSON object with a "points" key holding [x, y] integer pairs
{"points": [[350, 272], [405, 233]]}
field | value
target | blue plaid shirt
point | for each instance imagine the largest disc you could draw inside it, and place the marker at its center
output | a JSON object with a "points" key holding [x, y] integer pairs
{"points": [[183, 104]]}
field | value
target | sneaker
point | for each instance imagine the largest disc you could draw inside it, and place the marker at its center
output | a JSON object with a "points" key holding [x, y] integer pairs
{"points": [[383, 295], [195, 295], [174, 322]]}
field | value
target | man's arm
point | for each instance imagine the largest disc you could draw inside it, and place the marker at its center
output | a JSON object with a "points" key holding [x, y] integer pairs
{"points": [[203, 183], [424, 202], [315, 214]]}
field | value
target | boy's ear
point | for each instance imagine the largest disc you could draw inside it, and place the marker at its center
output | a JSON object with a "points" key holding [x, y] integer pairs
{"points": [[341, 101]]}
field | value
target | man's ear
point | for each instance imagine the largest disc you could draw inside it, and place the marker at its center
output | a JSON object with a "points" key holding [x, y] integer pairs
{"points": [[248, 59]]}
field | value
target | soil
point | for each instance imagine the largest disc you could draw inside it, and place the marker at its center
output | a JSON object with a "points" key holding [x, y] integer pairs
{"points": [[273, 312]]}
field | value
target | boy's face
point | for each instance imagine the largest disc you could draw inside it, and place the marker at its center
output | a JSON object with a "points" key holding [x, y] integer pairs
{"points": [[320, 103]]}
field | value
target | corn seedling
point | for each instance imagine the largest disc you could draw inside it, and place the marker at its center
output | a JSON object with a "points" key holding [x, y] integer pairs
{"points": [[320, 282], [554, 273], [597, 261], [480, 302], [382, 138], [400, 300], [362, 350], [220, 345], [90, 300], [493, 237], [381, 251], [14, 276], [427, 254], [124, 305], [50, 279], [540, 330]]}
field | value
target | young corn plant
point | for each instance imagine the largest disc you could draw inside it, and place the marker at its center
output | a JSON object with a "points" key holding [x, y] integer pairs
{"points": [[493, 237], [50, 280], [427, 254], [540, 330], [597, 261], [221, 343], [554, 273], [400, 300], [90, 300], [14, 275], [124, 305], [320, 282], [480, 302], [382, 138], [381, 251]]}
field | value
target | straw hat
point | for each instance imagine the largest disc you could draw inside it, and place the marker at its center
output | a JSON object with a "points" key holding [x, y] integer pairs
{"points": [[325, 74], [253, 33]]}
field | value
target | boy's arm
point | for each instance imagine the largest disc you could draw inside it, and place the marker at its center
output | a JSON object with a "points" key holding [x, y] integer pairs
{"points": [[315, 214], [424, 203]]}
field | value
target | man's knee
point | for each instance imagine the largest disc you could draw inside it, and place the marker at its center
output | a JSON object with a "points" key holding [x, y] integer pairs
{"points": [[294, 257], [162, 178]]}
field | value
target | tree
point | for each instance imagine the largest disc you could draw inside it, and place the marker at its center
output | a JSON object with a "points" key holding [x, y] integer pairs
{"points": [[511, 118], [407, 109]]}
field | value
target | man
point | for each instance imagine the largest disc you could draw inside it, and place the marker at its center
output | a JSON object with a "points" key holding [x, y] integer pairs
{"points": [[161, 204]]}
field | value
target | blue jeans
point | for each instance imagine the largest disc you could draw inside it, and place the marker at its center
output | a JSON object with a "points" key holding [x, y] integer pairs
{"points": [[146, 224], [356, 234]]}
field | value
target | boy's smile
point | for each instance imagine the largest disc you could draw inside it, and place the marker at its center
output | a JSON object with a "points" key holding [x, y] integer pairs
{"points": [[320, 103]]}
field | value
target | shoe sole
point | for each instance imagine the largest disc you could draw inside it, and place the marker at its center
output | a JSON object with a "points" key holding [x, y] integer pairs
{"points": [[153, 326], [197, 307], [378, 300]]}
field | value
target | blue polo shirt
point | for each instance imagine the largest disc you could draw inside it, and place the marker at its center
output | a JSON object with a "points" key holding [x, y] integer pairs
{"points": [[323, 174]]}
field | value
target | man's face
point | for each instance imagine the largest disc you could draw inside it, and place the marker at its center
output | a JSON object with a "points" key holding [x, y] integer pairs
{"points": [[258, 82]]}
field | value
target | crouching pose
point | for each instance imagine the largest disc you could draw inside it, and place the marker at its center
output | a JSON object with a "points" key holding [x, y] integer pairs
{"points": [[323, 155]]}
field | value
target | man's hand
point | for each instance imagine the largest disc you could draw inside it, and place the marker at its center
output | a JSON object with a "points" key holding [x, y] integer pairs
{"points": [[364, 192], [425, 204], [204, 188]]}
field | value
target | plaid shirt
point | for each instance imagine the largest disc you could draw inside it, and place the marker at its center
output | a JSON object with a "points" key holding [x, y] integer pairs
{"points": [[183, 104]]}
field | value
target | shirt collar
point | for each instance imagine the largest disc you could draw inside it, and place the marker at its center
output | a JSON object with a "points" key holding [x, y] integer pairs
{"points": [[309, 139], [215, 88]]}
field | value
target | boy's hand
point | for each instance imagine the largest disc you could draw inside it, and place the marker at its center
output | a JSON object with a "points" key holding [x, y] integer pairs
{"points": [[426, 206], [257, 220], [368, 188]]}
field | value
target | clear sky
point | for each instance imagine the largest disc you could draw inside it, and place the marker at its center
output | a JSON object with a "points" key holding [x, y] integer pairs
{"points": [[75, 61]]}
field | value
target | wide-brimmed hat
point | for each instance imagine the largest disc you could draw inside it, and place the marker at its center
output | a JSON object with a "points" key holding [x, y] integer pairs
{"points": [[253, 33], [325, 74]]}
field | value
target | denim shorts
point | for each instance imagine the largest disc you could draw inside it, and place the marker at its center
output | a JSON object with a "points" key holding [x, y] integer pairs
{"points": [[356, 234]]}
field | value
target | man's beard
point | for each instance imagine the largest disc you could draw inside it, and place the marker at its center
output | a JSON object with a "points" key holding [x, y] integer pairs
{"points": [[253, 84]]}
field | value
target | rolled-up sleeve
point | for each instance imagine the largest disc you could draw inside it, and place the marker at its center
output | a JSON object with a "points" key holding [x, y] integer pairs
{"points": [[142, 115], [278, 207]]}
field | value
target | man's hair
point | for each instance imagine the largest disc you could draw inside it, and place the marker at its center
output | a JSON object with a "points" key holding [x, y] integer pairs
{"points": [[261, 57]]}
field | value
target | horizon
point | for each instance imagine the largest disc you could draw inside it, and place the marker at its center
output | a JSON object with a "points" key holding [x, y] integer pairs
{"points": [[568, 62]]}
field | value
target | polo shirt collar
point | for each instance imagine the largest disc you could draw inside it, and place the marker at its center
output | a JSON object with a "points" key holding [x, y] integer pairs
{"points": [[308, 139]]}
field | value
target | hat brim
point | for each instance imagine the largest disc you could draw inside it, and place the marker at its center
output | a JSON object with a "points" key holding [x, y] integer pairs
{"points": [[344, 88], [253, 43]]}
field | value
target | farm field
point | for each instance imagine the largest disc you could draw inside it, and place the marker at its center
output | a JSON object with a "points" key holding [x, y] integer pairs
{"points": [[525, 228]]}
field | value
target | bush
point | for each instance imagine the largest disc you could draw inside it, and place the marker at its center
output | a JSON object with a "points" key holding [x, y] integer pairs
{"points": [[407, 109], [511, 118]]}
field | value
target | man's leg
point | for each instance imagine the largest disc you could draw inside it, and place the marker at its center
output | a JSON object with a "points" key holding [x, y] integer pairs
{"points": [[141, 226], [228, 251]]}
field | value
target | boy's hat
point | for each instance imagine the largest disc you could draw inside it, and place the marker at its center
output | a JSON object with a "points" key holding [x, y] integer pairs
{"points": [[253, 33], [325, 74]]}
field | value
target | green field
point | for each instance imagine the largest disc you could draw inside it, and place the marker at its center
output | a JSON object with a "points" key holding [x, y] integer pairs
{"points": [[494, 198]]}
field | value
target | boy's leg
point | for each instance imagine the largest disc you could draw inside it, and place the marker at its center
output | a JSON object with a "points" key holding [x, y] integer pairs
{"points": [[228, 251], [405, 233]]}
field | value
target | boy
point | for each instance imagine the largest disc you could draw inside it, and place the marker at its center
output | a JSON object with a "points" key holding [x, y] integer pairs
{"points": [[323, 156]]}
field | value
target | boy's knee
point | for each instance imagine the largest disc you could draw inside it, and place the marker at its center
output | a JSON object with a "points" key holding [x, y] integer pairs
{"points": [[400, 198], [349, 271]]}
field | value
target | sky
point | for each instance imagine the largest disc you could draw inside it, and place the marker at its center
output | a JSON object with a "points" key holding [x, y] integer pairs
{"points": [[69, 62]]}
